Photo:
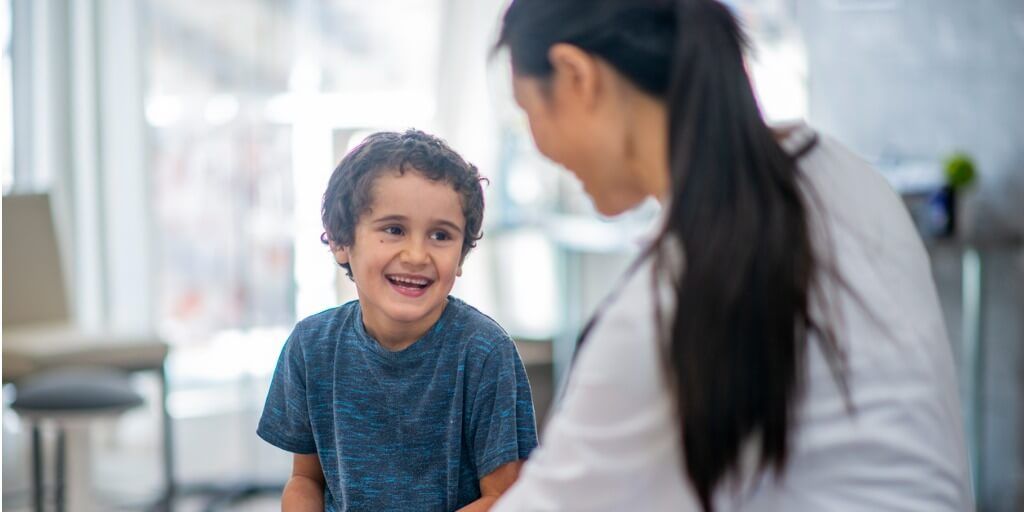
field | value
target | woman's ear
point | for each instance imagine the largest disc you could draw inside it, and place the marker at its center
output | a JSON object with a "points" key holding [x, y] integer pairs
{"points": [[576, 74]]}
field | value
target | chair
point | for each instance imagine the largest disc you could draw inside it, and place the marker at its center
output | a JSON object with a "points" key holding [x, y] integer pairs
{"points": [[41, 344]]}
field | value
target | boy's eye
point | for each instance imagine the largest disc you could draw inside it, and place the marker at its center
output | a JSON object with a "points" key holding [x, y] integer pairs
{"points": [[441, 236], [393, 230]]}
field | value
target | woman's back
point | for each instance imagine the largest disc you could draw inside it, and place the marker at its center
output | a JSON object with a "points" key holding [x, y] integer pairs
{"points": [[614, 444], [901, 448]]}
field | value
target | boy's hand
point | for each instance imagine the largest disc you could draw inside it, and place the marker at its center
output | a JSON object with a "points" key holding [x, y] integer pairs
{"points": [[305, 489], [493, 485]]}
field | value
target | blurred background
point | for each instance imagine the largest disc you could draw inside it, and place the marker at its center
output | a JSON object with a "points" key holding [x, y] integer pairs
{"points": [[180, 148]]}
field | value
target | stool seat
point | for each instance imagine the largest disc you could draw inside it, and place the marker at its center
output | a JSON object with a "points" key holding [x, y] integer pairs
{"points": [[75, 390], [72, 397]]}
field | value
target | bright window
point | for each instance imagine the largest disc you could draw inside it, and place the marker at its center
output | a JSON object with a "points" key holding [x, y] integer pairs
{"points": [[251, 105]]}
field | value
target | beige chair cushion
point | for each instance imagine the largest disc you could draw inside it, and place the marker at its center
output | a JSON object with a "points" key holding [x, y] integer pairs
{"points": [[39, 347]]}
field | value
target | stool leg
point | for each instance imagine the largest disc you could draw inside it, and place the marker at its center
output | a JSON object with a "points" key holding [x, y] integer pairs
{"points": [[168, 443], [37, 468], [60, 473], [79, 480]]}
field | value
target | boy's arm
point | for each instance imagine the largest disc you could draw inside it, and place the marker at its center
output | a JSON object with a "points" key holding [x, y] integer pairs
{"points": [[493, 485], [305, 489]]}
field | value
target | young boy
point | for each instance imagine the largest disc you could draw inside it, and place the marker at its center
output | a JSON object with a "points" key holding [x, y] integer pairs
{"points": [[407, 398]]}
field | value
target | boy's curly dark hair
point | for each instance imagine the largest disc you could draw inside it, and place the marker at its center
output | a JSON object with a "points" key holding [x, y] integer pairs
{"points": [[350, 190]]}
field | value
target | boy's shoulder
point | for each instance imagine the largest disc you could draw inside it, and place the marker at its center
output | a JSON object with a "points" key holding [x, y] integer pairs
{"points": [[325, 324], [473, 317], [476, 330]]}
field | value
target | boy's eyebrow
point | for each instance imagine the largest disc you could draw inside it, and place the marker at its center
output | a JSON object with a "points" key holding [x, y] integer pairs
{"points": [[451, 225], [391, 218], [402, 218]]}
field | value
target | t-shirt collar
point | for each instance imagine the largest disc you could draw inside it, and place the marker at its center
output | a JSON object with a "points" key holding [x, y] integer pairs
{"points": [[413, 351]]}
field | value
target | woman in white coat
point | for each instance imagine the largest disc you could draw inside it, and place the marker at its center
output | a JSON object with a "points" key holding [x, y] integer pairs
{"points": [[779, 344]]}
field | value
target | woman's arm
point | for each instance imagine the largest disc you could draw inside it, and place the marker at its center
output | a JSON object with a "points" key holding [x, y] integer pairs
{"points": [[613, 442], [305, 489]]}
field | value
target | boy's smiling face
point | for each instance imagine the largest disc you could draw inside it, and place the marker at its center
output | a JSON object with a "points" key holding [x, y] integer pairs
{"points": [[406, 256]]}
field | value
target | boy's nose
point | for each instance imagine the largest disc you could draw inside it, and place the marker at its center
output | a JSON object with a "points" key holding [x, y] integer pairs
{"points": [[414, 253]]}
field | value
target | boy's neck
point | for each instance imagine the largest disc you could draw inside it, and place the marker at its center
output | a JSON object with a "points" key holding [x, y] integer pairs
{"points": [[396, 336]]}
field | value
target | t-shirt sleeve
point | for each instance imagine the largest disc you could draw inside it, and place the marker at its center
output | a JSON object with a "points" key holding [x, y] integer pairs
{"points": [[285, 422], [503, 428]]}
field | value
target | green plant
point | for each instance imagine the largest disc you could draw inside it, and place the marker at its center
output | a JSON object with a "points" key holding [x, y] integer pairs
{"points": [[959, 170]]}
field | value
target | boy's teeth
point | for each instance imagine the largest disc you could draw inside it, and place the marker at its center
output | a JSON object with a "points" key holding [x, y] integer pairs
{"points": [[405, 280]]}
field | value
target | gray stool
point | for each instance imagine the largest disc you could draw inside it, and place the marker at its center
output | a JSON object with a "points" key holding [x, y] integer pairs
{"points": [[71, 398]]}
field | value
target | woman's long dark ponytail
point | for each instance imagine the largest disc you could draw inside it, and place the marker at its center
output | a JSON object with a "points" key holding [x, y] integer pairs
{"points": [[736, 342]]}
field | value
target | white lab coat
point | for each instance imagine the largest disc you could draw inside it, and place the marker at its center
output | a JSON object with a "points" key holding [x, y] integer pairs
{"points": [[613, 443]]}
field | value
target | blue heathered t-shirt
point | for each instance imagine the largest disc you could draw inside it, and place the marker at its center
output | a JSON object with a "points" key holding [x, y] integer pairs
{"points": [[409, 430]]}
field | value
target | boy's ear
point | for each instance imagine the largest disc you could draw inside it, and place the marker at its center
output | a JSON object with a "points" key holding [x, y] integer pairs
{"points": [[340, 254], [458, 271]]}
